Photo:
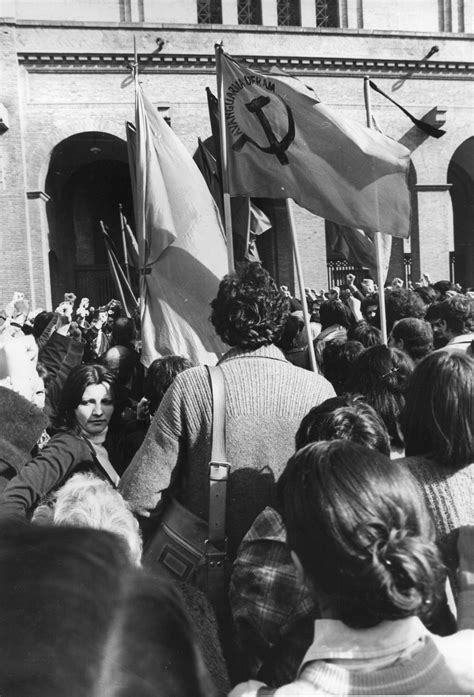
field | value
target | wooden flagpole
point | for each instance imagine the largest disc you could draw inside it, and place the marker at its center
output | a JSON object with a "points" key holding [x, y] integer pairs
{"points": [[377, 235], [124, 244], [299, 272], [141, 241], [224, 162]]}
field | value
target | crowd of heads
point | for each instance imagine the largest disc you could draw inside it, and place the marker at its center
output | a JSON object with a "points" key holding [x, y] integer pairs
{"points": [[343, 497]]}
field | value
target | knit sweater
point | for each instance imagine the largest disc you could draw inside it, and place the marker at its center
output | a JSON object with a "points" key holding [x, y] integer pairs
{"points": [[414, 664], [266, 398], [449, 495]]}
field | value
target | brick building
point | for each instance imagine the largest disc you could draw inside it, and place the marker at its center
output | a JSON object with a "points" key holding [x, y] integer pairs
{"points": [[66, 93]]}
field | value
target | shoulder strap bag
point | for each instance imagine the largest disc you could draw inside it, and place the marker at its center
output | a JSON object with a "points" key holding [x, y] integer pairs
{"points": [[185, 546]]}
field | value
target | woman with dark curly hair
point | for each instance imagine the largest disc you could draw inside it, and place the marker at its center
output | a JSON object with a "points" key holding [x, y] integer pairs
{"points": [[266, 398], [85, 409]]}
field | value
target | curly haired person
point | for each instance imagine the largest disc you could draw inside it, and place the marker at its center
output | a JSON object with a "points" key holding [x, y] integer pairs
{"points": [[266, 398]]}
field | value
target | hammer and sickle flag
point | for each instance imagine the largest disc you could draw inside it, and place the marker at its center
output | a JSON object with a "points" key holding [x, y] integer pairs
{"points": [[283, 142]]}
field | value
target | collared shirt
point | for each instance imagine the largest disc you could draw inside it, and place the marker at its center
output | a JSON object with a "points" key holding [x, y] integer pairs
{"points": [[273, 612], [368, 648], [462, 342]]}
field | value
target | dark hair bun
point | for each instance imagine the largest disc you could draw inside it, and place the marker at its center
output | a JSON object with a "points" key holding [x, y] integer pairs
{"points": [[404, 573]]}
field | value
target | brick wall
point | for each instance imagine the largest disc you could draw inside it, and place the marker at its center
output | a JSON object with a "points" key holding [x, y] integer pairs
{"points": [[47, 107]]}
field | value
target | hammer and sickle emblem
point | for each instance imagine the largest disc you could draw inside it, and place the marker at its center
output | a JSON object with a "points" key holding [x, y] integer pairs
{"points": [[275, 146]]}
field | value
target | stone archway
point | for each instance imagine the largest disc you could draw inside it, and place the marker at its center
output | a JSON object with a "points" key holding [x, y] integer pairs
{"points": [[461, 178], [88, 177]]}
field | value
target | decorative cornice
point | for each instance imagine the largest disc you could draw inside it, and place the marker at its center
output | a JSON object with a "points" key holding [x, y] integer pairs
{"points": [[199, 63]]}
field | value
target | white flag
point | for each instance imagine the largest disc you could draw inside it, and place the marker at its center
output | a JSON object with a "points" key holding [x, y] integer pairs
{"points": [[182, 250]]}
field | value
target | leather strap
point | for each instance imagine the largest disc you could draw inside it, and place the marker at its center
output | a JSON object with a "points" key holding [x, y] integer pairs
{"points": [[218, 467], [105, 465]]}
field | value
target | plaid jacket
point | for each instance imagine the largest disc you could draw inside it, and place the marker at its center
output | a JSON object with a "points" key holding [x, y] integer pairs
{"points": [[273, 613]]}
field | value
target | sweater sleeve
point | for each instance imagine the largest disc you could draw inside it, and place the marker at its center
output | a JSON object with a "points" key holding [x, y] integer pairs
{"points": [[58, 459], [156, 464]]}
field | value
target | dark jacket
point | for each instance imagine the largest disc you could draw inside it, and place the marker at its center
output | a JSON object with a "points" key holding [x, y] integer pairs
{"points": [[64, 455]]}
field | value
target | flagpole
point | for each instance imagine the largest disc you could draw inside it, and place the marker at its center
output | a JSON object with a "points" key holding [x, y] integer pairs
{"points": [[139, 215], [124, 244], [377, 235], [224, 162], [299, 272], [113, 270]]}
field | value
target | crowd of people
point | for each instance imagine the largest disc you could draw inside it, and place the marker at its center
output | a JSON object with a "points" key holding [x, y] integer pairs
{"points": [[347, 565]]}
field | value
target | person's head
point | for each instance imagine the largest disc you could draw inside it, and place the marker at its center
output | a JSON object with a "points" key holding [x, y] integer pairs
{"points": [[40, 322], [114, 310], [338, 357], [363, 515], [365, 333], [249, 310], [368, 307], [87, 399], [347, 418], [291, 330], [83, 621], [85, 501], [99, 317], [333, 312], [402, 303], [122, 362], [438, 417], [450, 318], [159, 377], [367, 285], [381, 374], [414, 336], [427, 294], [123, 332], [442, 288]]}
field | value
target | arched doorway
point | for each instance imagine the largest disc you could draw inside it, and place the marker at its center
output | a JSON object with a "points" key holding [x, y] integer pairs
{"points": [[88, 178], [461, 178]]}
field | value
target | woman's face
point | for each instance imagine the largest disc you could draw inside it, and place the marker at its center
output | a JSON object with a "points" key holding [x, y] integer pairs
{"points": [[95, 409]]}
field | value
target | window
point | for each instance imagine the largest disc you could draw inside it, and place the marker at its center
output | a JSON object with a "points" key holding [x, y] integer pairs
{"points": [[209, 11], [249, 11], [326, 13], [288, 12]]}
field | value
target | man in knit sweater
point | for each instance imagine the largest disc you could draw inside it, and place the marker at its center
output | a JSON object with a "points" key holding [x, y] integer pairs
{"points": [[266, 398]]}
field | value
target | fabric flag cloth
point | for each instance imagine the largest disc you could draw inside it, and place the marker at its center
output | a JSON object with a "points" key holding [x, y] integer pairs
{"points": [[181, 243], [357, 247], [248, 221], [419, 123], [284, 143]]}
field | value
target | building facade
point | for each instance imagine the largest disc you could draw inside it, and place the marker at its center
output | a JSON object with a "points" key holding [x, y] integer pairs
{"points": [[66, 93]]}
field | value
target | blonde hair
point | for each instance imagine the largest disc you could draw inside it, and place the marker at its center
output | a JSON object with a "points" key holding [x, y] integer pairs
{"points": [[85, 501]]}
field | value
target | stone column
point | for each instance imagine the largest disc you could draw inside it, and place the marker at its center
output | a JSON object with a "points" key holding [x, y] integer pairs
{"points": [[435, 216], [354, 14], [308, 13], [182, 12], [269, 13], [311, 236], [229, 12], [16, 257], [39, 240]]}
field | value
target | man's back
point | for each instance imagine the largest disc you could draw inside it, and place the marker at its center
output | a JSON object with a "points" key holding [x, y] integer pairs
{"points": [[266, 398]]}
